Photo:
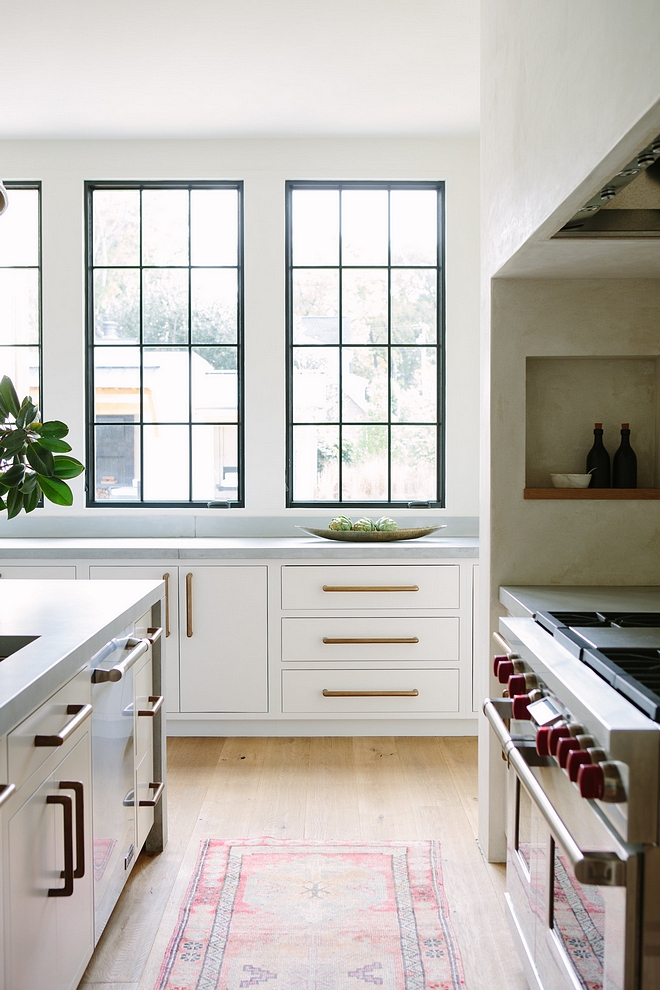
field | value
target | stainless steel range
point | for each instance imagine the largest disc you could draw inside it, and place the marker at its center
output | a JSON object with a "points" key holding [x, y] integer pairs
{"points": [[579, 725]]}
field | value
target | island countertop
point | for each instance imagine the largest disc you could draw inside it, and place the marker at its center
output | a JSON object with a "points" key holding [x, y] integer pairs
{"points": [[72, 620], [216, 548]]}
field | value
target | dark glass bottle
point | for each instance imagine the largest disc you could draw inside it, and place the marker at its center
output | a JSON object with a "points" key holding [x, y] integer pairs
{"points": [[624, 466], [599, 459]]}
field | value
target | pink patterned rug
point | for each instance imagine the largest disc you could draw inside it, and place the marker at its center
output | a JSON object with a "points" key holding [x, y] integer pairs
{"points": [[307, 915]]}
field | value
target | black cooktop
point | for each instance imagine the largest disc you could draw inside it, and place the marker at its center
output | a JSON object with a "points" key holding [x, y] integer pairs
{"points": [[632, 671]]}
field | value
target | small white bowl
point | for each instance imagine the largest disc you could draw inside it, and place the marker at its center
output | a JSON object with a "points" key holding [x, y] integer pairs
{"points": [[570, 480]]}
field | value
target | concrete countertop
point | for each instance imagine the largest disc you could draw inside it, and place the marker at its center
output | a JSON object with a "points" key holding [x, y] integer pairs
{"points": [[236, 549], [526, 601], [73, 620]]}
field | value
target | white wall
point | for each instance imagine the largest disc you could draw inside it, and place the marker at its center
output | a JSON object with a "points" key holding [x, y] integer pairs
{"points": [[563, 82], [264, 165]]}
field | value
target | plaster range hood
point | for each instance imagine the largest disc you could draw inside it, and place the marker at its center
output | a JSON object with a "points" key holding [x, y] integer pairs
{"points": [[627, 206]]}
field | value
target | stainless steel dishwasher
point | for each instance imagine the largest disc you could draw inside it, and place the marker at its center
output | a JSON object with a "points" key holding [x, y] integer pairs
{"points": [[113, 777]]}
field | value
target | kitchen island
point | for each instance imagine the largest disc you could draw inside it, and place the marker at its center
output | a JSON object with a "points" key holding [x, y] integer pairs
{"points": [[82, 785]]}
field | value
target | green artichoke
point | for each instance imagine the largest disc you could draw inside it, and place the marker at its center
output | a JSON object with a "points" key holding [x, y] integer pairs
{"points": [[364, 525], [386, 525], [340, 522]]}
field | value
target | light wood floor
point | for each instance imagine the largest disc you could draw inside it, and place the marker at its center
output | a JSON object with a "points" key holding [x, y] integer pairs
{"points": [[320, 788]]}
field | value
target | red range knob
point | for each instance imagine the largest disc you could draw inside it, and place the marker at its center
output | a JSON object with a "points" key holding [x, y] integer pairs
{"points": [[516, 685], [505, 671], [497, 660], [543, 741], [520, 706], [576, 759], [564, 747], [556, 733], [591, 781]]}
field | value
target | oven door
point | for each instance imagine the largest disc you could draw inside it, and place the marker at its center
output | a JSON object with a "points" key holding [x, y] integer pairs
{"points": [[582, 892]]}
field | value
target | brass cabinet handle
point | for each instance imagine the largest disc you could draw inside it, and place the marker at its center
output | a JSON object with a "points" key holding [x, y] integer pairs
{"points": [[158, 788], [166, 579], [67, 872], [153, 634], [371, 694], [6, 790], [80, 713], [157, 701], [367, 587], [189, 606], [137, 647], [77, 786], [391, 639]]}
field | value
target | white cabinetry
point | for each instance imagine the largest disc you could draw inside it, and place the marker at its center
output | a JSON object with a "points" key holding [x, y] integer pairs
{"points": [[39, 572], [224, 638], [49, 920]]}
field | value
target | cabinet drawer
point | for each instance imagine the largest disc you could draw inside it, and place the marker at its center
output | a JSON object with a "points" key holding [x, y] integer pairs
{"points": [[302, 690], [388, 587], [51, 717], [144, 724], [315, 639]]}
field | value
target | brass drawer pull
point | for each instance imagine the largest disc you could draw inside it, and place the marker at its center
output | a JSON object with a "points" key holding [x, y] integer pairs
{"points": [[154, 699], [385, 639], [80, 713], [189, 605], [137, 647], [68, 871], [6, 790], [166, 579], [153, 634], [368, 587], [158, 789], [371, 694], [78, 787]]}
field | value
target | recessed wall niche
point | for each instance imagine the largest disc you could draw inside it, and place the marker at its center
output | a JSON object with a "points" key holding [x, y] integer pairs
{"points": [[565, 396]]}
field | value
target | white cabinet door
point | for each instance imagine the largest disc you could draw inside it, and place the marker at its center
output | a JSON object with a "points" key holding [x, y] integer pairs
{"points": [[50, 938], [38, 573], [224, 639], [170, 620]]}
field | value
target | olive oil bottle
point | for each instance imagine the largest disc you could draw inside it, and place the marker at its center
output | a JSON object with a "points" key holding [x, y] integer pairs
{"points": [[624, 466], [598, 461]]}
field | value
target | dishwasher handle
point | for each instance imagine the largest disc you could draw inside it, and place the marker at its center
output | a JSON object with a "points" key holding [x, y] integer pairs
{"points": [[138, 648], [601, 869]]}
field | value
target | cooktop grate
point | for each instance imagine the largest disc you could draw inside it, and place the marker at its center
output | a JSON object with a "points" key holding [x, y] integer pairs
{"points": [[633, 673]]}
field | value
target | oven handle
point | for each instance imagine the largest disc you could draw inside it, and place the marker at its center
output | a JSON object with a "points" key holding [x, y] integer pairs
{"points": [[601, 869]]}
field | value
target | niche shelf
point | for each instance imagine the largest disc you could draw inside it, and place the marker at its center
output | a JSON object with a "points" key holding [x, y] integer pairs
{"points": [[565, 396]]}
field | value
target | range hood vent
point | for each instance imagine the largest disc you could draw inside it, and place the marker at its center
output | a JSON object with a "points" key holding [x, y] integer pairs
{"points": [[627, 206]]}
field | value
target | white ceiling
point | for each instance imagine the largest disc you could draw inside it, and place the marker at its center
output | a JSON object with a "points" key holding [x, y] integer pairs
{"points": [[211, 68]]}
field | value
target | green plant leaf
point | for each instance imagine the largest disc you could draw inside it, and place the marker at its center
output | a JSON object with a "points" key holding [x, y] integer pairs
{"points": [[53, 428], [14, 503], [41, 460], [13, 476], [50, 443], [13, 442], [56, 491], [9, 397], [4, 412], [29, 483], [3, 489], [67, 467], [31, 499], [28, 412]]}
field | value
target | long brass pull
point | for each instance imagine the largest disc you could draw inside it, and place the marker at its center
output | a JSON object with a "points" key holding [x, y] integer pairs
{"points": [[368, 587], [153, 634], [157, 701], [391, 639], [77, 786], [189, 606], [6, 790], [80, 713], [166, 579], [370, 694], [158, 788], [67, 872]]}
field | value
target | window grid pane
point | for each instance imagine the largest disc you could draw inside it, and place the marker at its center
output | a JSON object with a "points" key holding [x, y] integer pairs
{"points": [[20, 290], [164, 315], [370, 416]]}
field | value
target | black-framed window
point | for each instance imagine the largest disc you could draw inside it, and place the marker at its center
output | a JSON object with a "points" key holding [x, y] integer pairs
{"points": [[165, 343], [365, 330], [20, 289]]}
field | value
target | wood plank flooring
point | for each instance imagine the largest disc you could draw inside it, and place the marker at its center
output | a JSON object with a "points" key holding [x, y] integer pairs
{"points": [[358, 788]]}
